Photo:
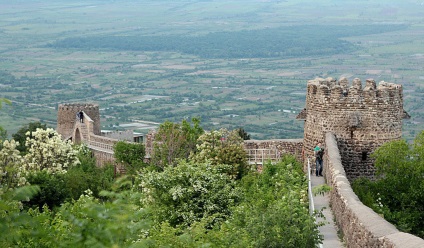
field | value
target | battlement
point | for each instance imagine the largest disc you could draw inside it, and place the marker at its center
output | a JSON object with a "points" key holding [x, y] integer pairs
{"points": [[77, 106], [329, 90], [361, 118], [67, 116]]}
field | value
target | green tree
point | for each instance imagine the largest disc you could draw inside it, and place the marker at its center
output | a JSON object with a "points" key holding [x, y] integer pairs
{"points": [[186, 193], [55, 189], [47, 151], [86, 222], [12, 174], [21, 134], [131, 155], [88, 176], [175, 141], [273, 212], [243, 134], [398, 191], [223, 147]]}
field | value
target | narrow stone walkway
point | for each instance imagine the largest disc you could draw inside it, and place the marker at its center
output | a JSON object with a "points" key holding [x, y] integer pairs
{"points": [[329, 230]]}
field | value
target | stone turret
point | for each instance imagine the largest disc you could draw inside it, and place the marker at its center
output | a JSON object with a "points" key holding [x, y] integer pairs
{"points": [[362, 119], [66, 117]]}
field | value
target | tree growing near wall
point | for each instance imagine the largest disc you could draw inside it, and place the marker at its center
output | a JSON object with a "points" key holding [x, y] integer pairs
{"points": [[186, 193], [272, 212], [190, 205], [86, 222], [131, 155], [398, 192], [222, 147], [21, 135], [11, 166], [175, 141], [47, 151], [243, 134]]}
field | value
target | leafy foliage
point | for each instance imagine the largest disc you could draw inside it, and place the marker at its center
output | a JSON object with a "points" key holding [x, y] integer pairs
{"points": [[21, 135], [243, 134], [11, 169], [273, 212], [47, 151], [190, 205], [88, 176], [55, 189], [131, 155], [187, 193], [174, 141], [86, 222], [398, 192], [223, 147]]}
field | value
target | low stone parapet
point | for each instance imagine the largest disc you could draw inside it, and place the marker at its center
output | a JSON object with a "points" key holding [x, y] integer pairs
{"points": [[281, 146], [361, 226]]}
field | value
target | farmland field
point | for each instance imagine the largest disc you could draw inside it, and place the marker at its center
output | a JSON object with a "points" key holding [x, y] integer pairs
{"points": [[232, 63]]}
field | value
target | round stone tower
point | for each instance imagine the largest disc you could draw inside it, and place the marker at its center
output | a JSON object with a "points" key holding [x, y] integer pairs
{"points": [[361, 119], [67, 116]]}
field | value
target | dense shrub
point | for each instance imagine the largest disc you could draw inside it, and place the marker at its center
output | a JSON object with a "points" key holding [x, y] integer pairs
{"points": [[187, 193], [272, 213], [398, 191], [131, 155], [222, 147]]}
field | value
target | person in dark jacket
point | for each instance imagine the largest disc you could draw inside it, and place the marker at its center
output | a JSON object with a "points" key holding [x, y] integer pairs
{"points": [[319, 153]]}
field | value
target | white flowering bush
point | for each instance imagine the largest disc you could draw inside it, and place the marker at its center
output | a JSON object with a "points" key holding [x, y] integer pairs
{"points": [[47, 151], [222, 147], [11, 172], [187, 193]]}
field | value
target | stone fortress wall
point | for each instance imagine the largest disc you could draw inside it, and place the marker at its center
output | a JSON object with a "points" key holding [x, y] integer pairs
{"points": [[282, 146], [350, 121], [67, 117], [127, 135], [361, 119], [88, 132], [361, 226]]}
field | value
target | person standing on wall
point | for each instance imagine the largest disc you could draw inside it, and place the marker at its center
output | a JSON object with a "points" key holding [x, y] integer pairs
{"points": [[319, 153], [81, 116]]}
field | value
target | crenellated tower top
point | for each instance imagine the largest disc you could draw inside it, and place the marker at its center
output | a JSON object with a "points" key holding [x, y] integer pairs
{"points": [[362, 118], [328, 91], [66, 117]]}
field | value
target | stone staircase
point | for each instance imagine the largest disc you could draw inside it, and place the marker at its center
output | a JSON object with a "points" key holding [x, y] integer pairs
{"points": [[84, 133]]}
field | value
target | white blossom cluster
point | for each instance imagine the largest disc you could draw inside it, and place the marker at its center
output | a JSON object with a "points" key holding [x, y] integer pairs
{"points": [[47, 151], [11, 170], [212, 144]]}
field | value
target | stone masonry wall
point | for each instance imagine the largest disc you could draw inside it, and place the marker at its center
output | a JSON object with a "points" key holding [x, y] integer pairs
{"points": [[127, 135], [67, 116], [360, 225], [150, 137], [103, 157], [362, 119], [284, 146], [103, 140]]}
